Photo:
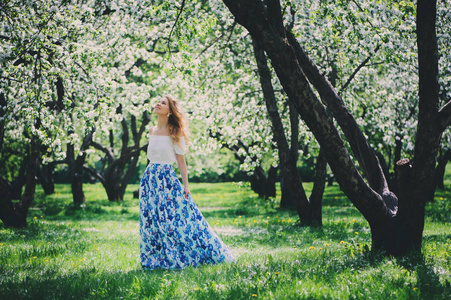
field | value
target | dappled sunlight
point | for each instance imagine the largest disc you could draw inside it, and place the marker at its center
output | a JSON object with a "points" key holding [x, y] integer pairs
{"points": [[94, 252]]}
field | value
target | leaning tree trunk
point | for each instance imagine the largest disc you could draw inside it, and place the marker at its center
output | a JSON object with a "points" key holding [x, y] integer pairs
{"points": [[293, 194], [290, 180], [16, 216], [391, 221]]}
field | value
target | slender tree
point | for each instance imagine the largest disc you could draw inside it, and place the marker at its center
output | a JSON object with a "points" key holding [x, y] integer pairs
{"points": [[309, 211]]}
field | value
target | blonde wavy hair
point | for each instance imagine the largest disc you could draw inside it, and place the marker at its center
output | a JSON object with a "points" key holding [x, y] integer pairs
{"points": [[177, 121]]}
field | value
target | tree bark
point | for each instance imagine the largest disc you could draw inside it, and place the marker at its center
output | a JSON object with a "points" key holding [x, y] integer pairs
{"points": [[76, 177], [8, 214], [30, 185], [290, 181], [16, 216], [316, 197], [264, 186], [271, 182], [18, 183], [285, 63], [287, 200], [115, 177], [441, 167], [396, 226], [46, 179], [3, 107]]}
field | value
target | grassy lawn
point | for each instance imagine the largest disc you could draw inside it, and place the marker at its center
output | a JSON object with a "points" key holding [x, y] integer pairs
{"points": [[94, 252]]}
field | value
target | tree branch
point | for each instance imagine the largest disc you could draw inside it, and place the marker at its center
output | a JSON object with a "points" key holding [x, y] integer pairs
{"points": [[288, 68], [359, 145], [108, 152], [234, 148], [125, 135], [94, 173], [146, 120], [137, 64], [134, 128], [274, 13], [217, 39], [359, 67], [228, 40], [287, 156], [445, 115], [175, 23]]}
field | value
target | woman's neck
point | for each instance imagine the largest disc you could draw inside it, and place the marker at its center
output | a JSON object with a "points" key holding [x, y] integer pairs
{"points": [[162, 122]]}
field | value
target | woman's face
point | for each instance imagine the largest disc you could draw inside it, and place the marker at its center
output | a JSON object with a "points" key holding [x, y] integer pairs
{"points": [[162, 107]]}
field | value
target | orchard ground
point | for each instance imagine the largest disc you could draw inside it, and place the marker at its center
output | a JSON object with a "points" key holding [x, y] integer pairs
{"points": [[93, 252]]}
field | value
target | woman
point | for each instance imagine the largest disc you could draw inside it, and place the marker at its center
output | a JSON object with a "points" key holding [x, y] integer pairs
{"points": [[174, 234]]}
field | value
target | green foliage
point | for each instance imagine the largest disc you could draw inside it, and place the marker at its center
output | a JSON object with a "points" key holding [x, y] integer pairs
{"points": [[93, 252], [440, 209]]}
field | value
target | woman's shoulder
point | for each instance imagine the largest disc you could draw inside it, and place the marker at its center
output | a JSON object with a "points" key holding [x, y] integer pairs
{"points": [[154, 131]]}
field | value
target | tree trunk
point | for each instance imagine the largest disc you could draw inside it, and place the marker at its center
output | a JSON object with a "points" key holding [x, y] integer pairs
{"points": [[441, 167], [9, 216], [31, 179], [398, 148], [16, 216], [46, 178], [402, 233], [316, 197], [271, 182], [3, 107], [76, 177], [130, 171], [113, 178], [18, 184], [396, 222], [287, 200], [264, 186], [76, 166], [291, 184]]}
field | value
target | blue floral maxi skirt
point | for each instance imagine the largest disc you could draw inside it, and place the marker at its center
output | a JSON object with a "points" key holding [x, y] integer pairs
{"points": [[174, 233]]}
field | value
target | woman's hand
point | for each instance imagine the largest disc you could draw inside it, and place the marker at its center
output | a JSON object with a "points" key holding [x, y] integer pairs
{"points": [[187, 192]]}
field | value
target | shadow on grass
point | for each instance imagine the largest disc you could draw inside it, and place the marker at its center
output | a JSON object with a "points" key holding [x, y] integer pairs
{"points": [[428, 277], [436, 237], [33, 231]]}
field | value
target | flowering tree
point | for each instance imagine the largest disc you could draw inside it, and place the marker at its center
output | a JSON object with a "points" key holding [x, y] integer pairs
{"points": [[64, 73], [396, 220], [34, 68]]}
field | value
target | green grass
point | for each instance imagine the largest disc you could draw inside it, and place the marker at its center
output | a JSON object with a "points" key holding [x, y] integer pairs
{"points": [[93, 252]]}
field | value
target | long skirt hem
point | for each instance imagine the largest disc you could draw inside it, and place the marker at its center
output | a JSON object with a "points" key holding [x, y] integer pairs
{"points": [[174, 233]]}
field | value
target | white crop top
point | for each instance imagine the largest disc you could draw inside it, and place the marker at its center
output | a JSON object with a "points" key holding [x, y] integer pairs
{"points": [[161, 150]]}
